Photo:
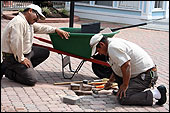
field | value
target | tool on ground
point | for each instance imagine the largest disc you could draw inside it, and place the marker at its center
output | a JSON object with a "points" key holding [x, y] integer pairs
{"points": [[101, 87], [114, 92], [67, 83], [90, 82], [98, 82], [84, 87], [87, 87], [113, 85], [74, 86], [96, 91], [80, 93]]}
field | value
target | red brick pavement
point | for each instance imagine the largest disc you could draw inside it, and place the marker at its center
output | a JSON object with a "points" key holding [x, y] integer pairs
{"points": [[44, 96]]}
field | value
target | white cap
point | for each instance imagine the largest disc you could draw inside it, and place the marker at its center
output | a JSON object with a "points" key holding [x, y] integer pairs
{"points": [[94, 41], [38, 9]]}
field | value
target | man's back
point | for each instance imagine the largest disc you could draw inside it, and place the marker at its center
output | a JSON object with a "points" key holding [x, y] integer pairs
{"points": [[120, 51]]}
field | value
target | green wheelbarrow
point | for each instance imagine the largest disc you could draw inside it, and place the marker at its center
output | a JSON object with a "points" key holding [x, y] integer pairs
{"points": [[76, 46]]}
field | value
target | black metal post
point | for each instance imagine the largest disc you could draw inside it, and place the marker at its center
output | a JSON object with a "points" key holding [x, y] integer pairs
{"points": [[71, 14]]}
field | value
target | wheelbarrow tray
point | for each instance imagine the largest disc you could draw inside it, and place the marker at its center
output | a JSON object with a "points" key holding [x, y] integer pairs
{"points": [[77, 44]]}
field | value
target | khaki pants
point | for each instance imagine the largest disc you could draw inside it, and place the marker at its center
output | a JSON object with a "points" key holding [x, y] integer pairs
{"points": [[135, 94]]}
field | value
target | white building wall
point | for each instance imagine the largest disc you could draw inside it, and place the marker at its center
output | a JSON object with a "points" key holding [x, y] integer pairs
{"points": [[117, 14]]}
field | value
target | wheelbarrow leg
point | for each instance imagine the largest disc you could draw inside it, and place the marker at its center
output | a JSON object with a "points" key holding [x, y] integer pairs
{"points": [[65, 62], [79, 67]]}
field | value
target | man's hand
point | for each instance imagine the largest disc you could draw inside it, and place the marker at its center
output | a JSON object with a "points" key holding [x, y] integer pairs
{"points": [[62, 33], [122, 90], [26, 62]]}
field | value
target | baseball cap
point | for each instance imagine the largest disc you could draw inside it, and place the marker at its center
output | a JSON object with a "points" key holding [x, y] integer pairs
{"points": [[38, 9], [94, 41]]}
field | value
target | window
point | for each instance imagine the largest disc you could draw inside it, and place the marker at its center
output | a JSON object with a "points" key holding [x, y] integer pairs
{"points": [[104, 3], [158, 4], [85, 2], [129, 4]]}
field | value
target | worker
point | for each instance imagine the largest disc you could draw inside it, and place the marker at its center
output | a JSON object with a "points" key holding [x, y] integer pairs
{"points": [[19, 55], [133, 70]]}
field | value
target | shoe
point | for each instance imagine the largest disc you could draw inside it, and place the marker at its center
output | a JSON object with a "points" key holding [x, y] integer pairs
{"points": [[162, 90]]}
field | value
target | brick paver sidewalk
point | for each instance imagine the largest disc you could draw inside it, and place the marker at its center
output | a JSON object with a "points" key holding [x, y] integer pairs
{"points": [[44, 96]]}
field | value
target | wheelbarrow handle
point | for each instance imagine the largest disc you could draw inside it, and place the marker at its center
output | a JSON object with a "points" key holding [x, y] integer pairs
{"points": [[136, 25], [115, 29]]}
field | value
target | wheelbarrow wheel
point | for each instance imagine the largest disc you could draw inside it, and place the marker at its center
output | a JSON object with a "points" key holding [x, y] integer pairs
{"points": [[100, 70]]}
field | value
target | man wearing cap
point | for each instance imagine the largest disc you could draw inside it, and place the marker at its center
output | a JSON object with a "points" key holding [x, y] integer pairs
{"points": [[19, 55], [134, 71]]}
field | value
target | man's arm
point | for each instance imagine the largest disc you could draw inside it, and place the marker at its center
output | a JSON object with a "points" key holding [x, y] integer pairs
{"points": [[44, 29], [126, 71], [109, 83]]}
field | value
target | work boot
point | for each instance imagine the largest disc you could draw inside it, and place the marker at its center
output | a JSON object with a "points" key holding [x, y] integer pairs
{"points": [[162, 90]]}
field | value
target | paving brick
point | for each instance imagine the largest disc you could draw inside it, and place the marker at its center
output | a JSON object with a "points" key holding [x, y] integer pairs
{"points": [[21, 109], [140, 108], [71, 99], [85, 102], [151, 109], [35, 110], [129, 108], [18, 104], [120, 109], [97, 107], [9, 109], [161, 109], [110, 106], [88, 110], [42, 108], [97, 102]]}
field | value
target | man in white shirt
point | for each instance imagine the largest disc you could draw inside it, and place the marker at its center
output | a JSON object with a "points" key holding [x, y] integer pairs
{"points": [[19, 54], [133, 70]]}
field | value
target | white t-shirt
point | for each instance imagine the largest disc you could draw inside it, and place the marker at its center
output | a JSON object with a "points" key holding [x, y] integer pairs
{"points": [[120, 51]]}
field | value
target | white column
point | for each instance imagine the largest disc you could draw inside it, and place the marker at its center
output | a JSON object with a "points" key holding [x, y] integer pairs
{"points": [[146, 10], [115, 4], [92, 3], [167, 9]]}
